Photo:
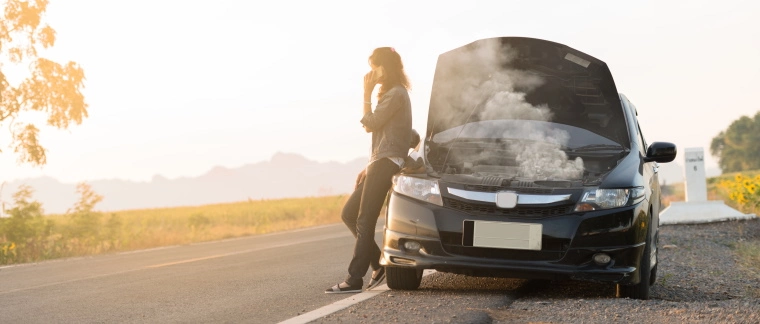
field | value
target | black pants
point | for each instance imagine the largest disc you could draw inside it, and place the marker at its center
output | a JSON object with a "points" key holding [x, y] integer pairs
{"points": [[360, 215]]}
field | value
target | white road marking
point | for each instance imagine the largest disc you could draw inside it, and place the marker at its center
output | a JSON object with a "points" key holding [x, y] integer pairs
{"points": [[295, 242], [342, 304]]}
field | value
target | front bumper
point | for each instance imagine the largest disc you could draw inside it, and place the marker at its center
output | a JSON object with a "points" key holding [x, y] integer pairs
{"points": [[569, 242]]}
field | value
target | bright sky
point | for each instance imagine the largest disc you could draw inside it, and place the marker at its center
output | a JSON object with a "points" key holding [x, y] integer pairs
{"points": [[178, 87]]}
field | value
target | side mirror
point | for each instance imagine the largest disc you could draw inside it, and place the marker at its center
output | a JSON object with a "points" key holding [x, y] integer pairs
{"points": [[662, 152]]}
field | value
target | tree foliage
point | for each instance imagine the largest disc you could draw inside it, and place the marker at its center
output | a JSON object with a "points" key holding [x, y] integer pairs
{"points": [[26, 234], [25, 230], [50, 88], [84, 220], [738, 147], [25, 212]]}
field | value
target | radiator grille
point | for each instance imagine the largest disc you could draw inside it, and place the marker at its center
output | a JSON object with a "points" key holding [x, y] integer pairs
{"points": [[491, 209]]}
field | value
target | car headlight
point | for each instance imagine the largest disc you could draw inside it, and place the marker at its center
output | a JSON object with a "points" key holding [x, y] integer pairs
{"points": [[417, 188], [596, 199]]}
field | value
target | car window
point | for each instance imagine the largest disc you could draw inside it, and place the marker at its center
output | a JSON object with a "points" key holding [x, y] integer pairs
{"points": [[634, 123], [643, 146], [643, 141]]}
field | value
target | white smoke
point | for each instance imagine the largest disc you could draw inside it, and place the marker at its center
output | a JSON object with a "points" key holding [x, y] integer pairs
{"points": [[477, 82]]}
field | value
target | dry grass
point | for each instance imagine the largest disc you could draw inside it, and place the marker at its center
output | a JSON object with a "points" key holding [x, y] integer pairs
{"points": [[58, 235], [749, 253], [749, 258], [182, 225]]}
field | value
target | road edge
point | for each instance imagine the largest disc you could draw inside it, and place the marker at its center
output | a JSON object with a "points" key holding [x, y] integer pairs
{"points": [[342, 304]]}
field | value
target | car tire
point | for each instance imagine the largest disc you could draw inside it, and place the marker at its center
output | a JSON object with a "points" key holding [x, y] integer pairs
{"points": [[653, 275], [403, 278], [641, 289]]}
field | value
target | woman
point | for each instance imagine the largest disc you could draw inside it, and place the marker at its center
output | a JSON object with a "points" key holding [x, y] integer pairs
{"points": [[391, 127]]}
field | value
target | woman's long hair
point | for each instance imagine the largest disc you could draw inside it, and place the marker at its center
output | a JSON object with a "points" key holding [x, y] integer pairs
{"points": [[393, 69]]}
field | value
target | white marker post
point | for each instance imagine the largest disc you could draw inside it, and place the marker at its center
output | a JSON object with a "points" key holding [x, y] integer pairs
{"points": [[697, 209], [696, 180]]}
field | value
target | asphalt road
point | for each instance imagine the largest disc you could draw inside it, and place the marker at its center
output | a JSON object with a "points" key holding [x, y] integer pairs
{"points": [[281, 277], [260, 279]]}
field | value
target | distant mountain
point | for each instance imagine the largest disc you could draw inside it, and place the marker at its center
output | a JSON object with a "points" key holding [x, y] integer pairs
{"points": [[285, 175]]}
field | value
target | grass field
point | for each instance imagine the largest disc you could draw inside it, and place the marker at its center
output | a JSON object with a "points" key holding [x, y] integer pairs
{"points": [[183, 225], [58, 236]]}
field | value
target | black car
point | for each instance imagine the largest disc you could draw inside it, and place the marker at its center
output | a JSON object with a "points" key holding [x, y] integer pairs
{"points": [[536, 167]]}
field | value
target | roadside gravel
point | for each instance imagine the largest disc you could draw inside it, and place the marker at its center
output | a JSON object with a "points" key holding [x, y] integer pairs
{"points": [[700, 281]]}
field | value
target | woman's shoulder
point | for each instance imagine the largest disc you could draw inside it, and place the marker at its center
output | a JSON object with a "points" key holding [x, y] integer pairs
{"points": [[397, 90]]}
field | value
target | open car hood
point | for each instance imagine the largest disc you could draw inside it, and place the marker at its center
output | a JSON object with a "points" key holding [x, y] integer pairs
{"points": [[488, 93], [504, 78]]}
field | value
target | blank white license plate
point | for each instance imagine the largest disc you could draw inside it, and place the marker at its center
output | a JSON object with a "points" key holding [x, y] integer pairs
{"points": [[502, 235]]}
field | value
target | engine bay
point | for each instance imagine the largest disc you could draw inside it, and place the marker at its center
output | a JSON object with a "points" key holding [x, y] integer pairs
{"points": [[519, 161]]}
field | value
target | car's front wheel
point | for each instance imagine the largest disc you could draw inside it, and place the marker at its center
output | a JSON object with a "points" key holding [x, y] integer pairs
{"points": [[641, 289], [403, 278]]}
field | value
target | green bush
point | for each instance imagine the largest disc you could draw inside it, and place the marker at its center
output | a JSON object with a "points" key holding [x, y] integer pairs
{"points": [[24, 232]]}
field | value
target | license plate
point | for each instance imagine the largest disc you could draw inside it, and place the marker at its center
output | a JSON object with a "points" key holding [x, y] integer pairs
{"points": [[502, 235]]}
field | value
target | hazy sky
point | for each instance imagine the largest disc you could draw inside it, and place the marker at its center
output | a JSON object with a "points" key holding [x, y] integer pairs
{"points": [[177, 87]]}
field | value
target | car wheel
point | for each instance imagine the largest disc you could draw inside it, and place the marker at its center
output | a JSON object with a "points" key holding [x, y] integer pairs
{"points": [[403, 278], [641, 289], [653, 275]]}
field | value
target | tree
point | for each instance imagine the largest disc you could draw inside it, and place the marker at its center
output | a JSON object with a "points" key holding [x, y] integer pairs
{"points": [[19, 227], [24, 232], [49, 88], [85, 221], [738, 147]]}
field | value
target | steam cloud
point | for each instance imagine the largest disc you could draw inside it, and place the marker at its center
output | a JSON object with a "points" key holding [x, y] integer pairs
{"points": [[477, 82]]}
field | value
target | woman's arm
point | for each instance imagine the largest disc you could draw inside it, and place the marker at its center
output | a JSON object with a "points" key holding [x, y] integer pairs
{"points": [[391, 103]]}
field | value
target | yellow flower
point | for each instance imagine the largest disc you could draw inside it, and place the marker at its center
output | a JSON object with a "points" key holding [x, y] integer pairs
{"points": [[738, 177]]}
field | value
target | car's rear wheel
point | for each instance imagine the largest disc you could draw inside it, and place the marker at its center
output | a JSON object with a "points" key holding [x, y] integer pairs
{"points": [[641, 289], [403, 278]]}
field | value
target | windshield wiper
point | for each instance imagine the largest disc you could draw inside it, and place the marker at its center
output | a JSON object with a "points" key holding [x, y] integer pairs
{"points": [[599, 147]]}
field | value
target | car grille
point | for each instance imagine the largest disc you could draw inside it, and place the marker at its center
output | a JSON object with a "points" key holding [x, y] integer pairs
{"points": [[536, 191], [490, 209]]}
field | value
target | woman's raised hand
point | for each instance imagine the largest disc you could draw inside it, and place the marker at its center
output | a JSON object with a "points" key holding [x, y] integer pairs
{"points": [[370, 81]]}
